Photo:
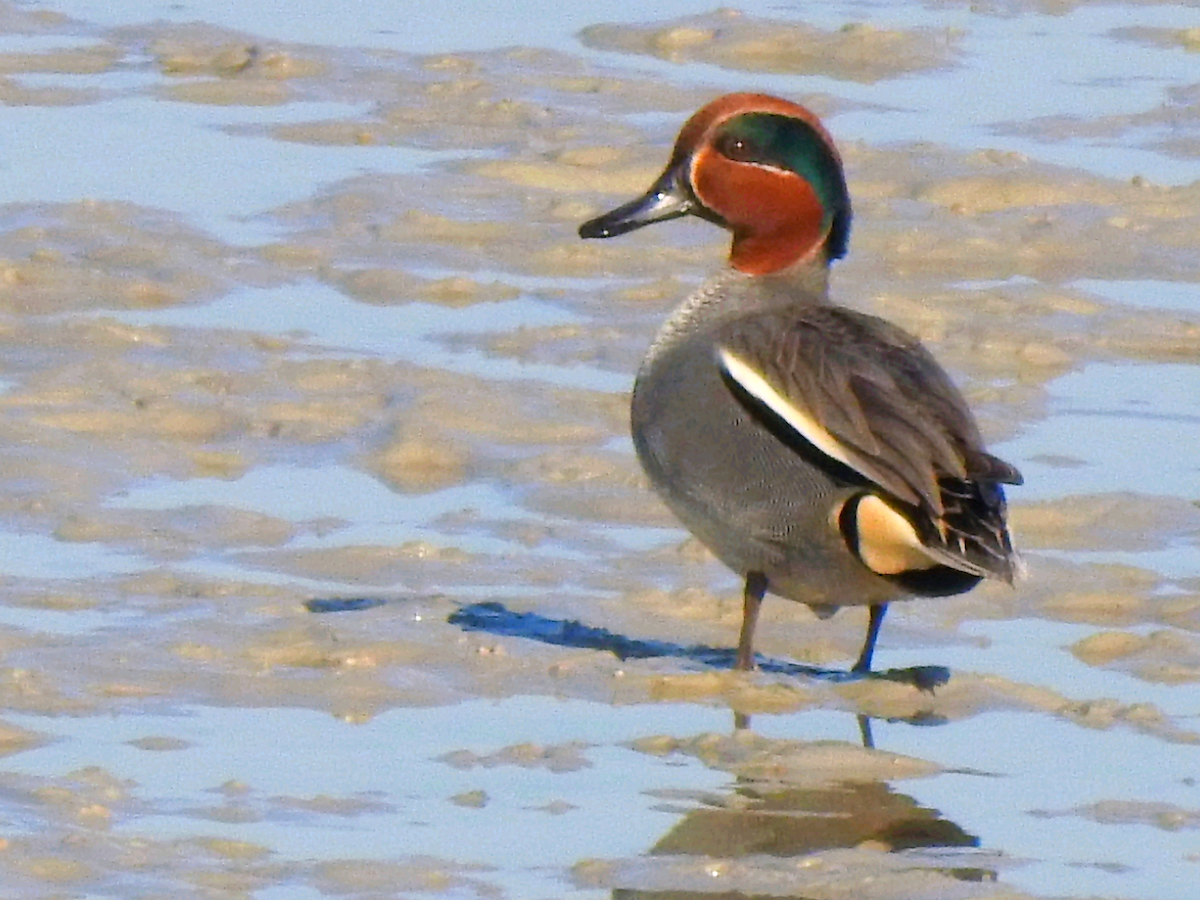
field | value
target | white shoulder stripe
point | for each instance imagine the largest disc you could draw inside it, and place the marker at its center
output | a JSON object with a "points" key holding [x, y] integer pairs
{"points": [[800, 420]]}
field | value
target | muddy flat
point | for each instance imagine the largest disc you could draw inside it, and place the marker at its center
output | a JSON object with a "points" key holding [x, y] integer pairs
{"points": [[327, 568]]}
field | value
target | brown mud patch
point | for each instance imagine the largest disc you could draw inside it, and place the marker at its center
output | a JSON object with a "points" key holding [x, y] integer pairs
{"points": [[732, 40]]}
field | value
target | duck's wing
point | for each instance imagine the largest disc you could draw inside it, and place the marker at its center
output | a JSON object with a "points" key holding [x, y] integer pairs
{"points": [[868, 397]]}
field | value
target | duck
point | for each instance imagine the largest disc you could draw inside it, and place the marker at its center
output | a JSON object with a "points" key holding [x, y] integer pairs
{"points": [[819, 452]]}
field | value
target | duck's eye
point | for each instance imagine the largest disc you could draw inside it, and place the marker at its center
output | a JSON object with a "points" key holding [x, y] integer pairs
{"points": [[739, 149]]}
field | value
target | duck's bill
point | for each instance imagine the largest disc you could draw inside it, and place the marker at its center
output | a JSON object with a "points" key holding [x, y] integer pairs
{"points": [[669, 198]]}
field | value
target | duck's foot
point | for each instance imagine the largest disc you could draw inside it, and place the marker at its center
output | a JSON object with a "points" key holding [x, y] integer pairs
{"points": [[924, 678]]}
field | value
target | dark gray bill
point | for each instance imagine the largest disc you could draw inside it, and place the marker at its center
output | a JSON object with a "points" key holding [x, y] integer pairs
{"points": [[669, 198]]}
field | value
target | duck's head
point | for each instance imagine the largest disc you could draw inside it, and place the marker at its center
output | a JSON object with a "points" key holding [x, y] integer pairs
{"points": [[762, 167]]}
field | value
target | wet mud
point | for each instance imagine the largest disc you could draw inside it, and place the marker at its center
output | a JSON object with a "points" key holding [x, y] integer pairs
{"points": [[250, 487]]}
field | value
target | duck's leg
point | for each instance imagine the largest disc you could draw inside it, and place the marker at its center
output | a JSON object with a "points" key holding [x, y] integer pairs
{"points": [[873, 633], [864, 732], [752, 597], [864, 658]]}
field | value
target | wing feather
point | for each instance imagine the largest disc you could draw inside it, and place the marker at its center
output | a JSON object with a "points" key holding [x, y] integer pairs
{"points": [[868, 395]]}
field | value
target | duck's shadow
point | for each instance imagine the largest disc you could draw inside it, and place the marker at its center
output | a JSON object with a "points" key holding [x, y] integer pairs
{"points": [[492, 617], [495, 618]]}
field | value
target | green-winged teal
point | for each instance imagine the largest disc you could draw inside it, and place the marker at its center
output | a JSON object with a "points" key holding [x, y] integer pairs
{"points": [[820, 452]]}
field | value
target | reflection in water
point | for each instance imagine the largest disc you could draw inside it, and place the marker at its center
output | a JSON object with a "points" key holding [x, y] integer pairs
{"points": [[782, 820], [793, 820]]}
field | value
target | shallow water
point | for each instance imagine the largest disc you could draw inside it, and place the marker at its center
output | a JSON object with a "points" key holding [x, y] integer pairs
{"points": [[303, 361]]}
